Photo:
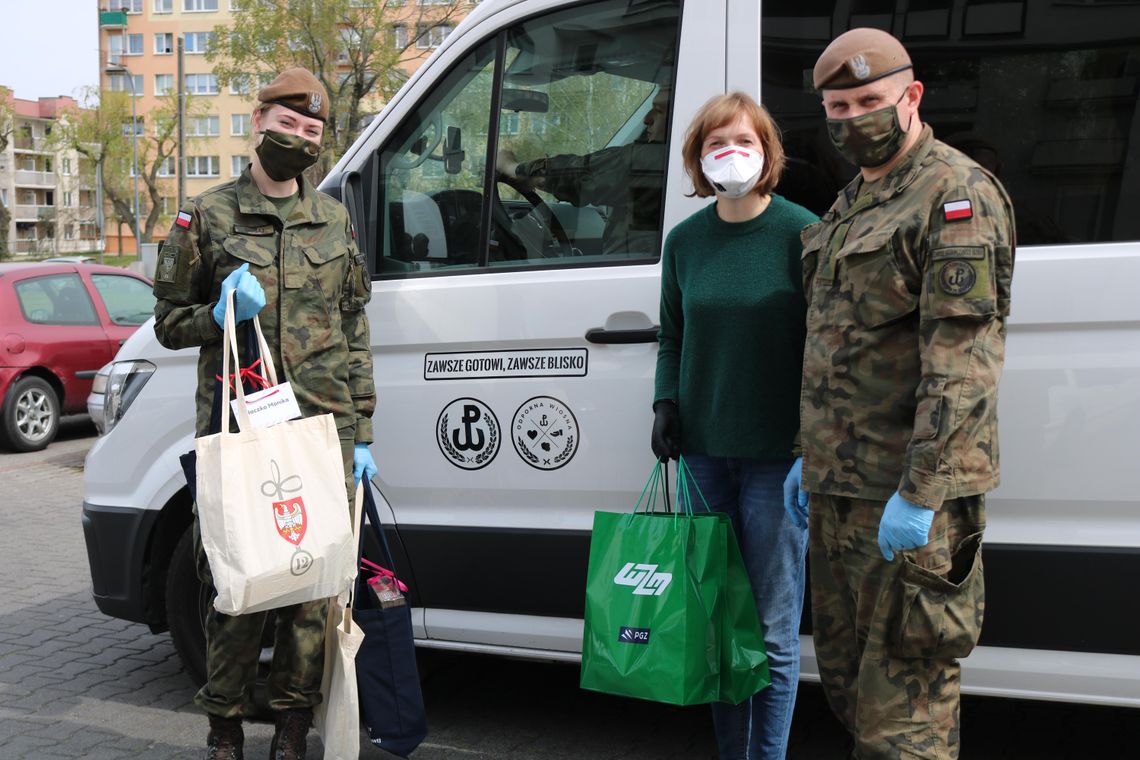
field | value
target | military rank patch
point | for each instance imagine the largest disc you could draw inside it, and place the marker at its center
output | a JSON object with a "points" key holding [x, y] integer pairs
{"points": [[956, 210], [957, 277], [183, 219]]}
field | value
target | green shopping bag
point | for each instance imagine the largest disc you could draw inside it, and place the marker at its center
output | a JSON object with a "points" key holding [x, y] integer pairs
{"points": [[653, 604], [743, 656]]}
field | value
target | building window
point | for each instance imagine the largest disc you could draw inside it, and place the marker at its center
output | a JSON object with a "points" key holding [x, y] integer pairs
{"points": [[193, 6], [239, 85], [166, 205], [433, 2], [140, 127], [65, 166], [431, 37], [67, 198], [399, 36], [239, 124], [196, 42], [238, 164], [163, 84], [119, 83], [163, 43], [163, 6], [202, 166], [202, 126], [134, 45], [130, 6], [202, 84], [166, 169]]}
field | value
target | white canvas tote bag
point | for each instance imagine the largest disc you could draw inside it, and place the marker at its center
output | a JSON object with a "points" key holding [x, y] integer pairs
{"points": [[337, 717], [271, 503]]}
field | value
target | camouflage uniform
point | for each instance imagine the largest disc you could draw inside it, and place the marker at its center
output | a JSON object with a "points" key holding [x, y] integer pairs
{"points": [[628, 179], [905, 345], [316, 286]]}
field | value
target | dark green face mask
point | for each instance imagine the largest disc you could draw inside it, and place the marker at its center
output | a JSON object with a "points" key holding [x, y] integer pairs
{"points": [[871, 139], [284, 157]]}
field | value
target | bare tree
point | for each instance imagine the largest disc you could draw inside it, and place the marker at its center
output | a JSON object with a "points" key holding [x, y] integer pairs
{"points": [[7, 124]]}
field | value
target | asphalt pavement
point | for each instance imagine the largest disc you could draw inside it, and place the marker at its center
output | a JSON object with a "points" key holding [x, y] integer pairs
{"points": [[77, 684]]}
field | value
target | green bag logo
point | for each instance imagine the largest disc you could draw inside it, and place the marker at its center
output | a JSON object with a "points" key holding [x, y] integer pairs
{"points": [[644, 578]]}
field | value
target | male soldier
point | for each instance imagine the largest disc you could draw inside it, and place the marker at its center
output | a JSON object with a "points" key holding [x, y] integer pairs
{"points": [[627, 178], [288, 253], [908, 282]]}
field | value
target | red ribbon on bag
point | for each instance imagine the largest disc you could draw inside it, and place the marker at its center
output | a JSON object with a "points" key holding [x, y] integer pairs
{"points": [[247, 373]]}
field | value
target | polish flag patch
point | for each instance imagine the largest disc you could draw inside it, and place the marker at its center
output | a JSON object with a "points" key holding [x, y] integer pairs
{"points": [[955, 210], [183, 219]]}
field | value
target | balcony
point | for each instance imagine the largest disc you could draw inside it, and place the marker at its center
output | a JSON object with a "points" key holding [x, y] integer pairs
{"points": [[30, 144], [35, 179], [30, 213], [113, 19]]}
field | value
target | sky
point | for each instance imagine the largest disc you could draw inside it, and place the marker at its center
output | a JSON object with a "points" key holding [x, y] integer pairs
{"points": [[49, 47]]}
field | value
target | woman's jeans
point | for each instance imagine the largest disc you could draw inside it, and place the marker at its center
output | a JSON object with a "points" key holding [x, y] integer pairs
{"points": [[750, 492]]}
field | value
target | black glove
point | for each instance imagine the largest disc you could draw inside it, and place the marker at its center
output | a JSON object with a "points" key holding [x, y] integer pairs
{"points": [[666, 438]]}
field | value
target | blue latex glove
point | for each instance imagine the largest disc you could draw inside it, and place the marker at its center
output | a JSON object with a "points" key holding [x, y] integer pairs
{"points": [[904, 526], [363, 463], [249, 296], [795, 498]]}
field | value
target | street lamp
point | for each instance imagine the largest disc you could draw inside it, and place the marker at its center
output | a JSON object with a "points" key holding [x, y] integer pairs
{"points": [[121, 69]]}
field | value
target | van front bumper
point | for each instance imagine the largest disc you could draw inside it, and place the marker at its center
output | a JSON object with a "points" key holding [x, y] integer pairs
{"points": [[116, 549]]}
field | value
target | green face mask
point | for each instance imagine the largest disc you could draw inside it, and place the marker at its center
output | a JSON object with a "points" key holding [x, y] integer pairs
{"points": [[284, 157], [871, 139]]}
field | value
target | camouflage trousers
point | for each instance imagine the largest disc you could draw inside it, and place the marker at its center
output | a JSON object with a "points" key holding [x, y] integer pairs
{"points": [[233, 644], [888, 635]]}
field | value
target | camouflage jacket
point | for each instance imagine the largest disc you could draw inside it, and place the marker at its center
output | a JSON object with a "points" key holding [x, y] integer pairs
{"points": [[629, 179], [908, 288], [316, 285]]}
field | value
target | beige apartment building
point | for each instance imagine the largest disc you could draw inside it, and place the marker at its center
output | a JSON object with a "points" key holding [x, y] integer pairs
{"points": [[137, 44], [49, 194]]}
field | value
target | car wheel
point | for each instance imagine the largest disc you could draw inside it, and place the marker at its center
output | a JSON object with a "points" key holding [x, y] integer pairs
{"points": [[30, 415], [188, 603]]}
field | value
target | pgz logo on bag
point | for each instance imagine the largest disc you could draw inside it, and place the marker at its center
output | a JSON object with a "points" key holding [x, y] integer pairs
{"points": [[644, 578], [633, 635], [289, 515]]}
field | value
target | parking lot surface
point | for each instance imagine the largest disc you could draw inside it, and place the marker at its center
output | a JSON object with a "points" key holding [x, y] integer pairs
{"points": [[77, 684]]}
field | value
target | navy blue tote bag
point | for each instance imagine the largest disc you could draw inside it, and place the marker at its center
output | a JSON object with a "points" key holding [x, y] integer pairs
{"points": [[391, 703]]}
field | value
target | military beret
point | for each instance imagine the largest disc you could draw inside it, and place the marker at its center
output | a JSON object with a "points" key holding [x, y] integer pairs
{"points": [[298, 90], [857, 57]]}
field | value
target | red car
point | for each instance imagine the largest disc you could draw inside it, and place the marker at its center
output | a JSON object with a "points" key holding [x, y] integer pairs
{"points": [[59, 323]]}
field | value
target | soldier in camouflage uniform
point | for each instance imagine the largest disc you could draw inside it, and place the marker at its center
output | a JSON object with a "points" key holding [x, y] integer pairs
{"points": [[627, 178], [288, 252], [908, 286]]}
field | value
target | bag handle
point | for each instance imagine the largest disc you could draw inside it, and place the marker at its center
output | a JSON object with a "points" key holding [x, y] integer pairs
{"points": [[229, 340], [377, 530], [346, 597], [685, 480]]}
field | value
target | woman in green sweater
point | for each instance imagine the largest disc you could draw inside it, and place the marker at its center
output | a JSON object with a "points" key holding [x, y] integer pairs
{"points": [[728, 382]]}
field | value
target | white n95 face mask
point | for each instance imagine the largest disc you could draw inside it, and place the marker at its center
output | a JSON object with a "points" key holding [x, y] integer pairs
{"points": [[732, 170]]}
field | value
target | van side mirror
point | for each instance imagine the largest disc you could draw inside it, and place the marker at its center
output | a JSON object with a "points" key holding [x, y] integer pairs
{"points": [[531, 101], [453, 153]]}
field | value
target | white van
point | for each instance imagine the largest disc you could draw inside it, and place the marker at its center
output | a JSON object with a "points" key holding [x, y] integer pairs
{"points": [[515, 336]]}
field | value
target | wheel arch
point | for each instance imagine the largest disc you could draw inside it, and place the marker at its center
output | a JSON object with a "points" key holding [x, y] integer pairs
{"points": [[173, 520]]}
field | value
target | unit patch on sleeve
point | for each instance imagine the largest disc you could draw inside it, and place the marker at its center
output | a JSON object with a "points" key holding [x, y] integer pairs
{"points": [[183, 219], [167, 263], [957, 210], [957, 278]]}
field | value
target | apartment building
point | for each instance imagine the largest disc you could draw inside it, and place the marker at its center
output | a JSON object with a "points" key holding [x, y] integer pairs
{"points": [[138, 42], [49, 193]]}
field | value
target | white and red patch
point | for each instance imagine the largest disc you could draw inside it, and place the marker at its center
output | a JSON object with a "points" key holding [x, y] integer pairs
{"points": [[955, 210], [291, 519], [183, 219]]}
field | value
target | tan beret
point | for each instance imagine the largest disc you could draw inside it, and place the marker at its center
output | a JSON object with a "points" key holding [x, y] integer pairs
{"points": [[857, 57], [299, 90]]}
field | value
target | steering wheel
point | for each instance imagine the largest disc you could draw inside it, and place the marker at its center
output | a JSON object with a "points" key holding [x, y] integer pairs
{"points": [[435, 128], [541, 211]]}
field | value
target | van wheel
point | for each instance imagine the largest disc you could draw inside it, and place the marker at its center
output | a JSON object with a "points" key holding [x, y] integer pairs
{"points": [[187, 601], [30, 415]]}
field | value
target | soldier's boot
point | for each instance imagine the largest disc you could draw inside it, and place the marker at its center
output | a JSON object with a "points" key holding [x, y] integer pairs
{"points": [[289, 738], [224, 742]]}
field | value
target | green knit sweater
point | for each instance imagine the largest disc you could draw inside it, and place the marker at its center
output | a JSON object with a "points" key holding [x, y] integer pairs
{"points": [[732, 331]]}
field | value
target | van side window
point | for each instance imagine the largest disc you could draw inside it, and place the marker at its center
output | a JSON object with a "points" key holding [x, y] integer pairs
{"points": [[579, 104], [1042, 94]]}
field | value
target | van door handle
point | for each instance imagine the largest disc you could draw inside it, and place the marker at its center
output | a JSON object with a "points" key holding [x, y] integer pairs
{"points": [[602, 335]]}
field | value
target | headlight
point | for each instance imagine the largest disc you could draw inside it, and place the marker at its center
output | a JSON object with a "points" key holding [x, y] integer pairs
{"points": [[123, 386], [99, 384]]}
